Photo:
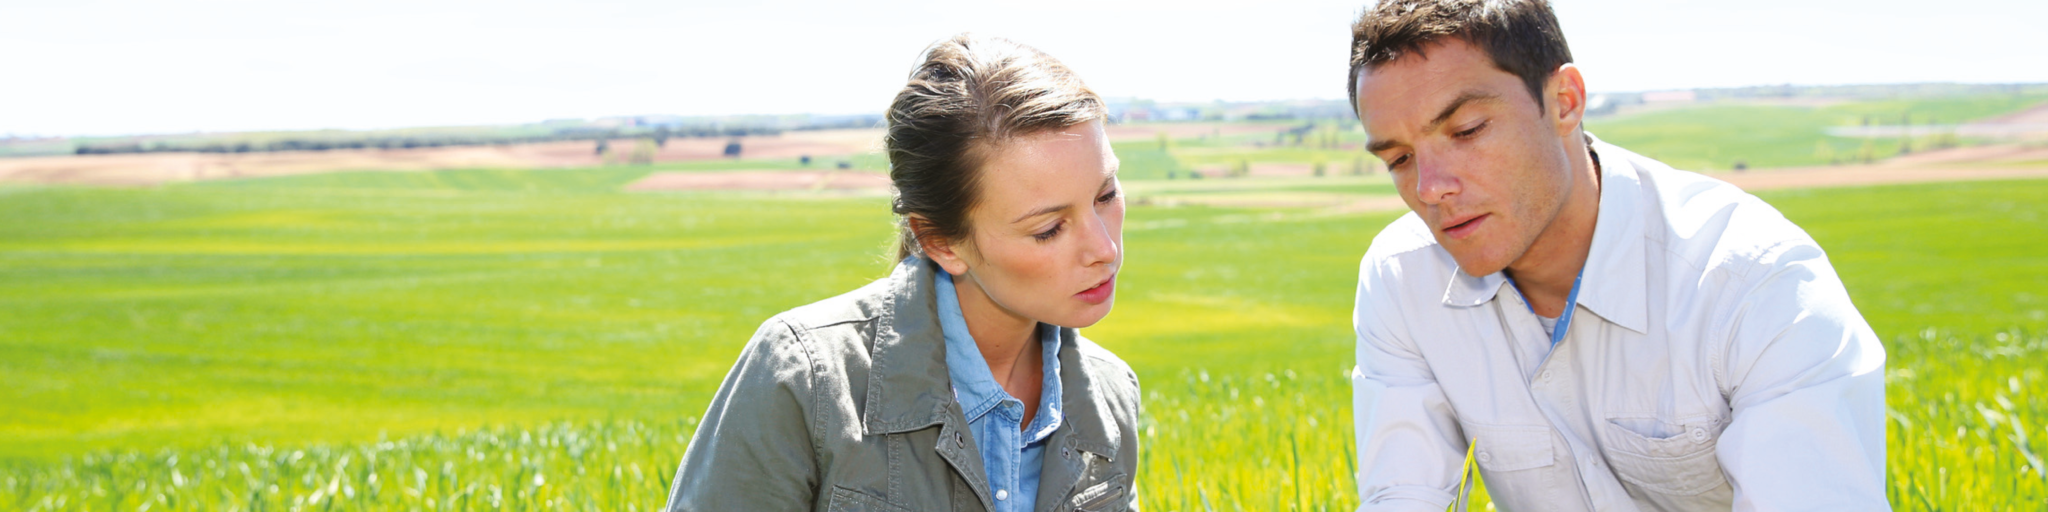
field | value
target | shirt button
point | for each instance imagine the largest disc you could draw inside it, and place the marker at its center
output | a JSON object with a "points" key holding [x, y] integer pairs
{"points": [[1002, 495], [1699, 435], [1546, 375], [1485, 457]]}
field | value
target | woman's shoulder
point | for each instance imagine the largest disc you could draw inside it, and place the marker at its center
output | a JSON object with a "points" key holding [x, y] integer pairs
{"points": [[1106, 372]]}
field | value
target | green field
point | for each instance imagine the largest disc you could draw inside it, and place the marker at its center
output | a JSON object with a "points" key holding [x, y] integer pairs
{"points": [[532, 339], [1704, 136], [1714, 136]]}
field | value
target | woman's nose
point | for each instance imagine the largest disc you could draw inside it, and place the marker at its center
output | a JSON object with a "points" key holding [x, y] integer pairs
{"points": [[1100, 244]]}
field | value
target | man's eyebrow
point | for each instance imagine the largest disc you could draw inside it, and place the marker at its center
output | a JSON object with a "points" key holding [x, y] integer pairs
{"points": [[1463, 98], [1441, 116]]}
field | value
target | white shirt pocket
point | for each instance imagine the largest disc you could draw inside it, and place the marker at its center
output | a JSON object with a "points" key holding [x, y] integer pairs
{"points": [[1521, 465], [1666, 457]]}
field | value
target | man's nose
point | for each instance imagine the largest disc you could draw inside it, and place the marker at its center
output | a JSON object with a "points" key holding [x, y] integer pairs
{"points": [[1435, 179]]}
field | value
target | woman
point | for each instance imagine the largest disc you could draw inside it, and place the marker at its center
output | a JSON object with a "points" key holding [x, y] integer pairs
{"points": [[958, 382]]}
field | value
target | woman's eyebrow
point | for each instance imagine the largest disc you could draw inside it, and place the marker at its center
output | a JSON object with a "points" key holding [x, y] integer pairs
{"points": [[1040, 211]]}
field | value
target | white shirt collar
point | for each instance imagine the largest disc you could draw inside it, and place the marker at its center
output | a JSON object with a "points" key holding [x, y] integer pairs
{"points": [[1612, 281]]}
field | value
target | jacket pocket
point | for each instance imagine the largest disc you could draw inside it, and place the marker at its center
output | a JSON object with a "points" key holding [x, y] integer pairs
{"points": [[1665, 457], [1512, 448], [849, 500], [1101, 496]]}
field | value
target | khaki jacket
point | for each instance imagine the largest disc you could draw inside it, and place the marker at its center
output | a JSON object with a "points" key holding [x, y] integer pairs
{"points": [[846, 405]]}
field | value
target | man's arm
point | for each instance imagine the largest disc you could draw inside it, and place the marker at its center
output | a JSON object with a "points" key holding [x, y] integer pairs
{"points": [[1804, 377], [753, 450], [1409, 445]]}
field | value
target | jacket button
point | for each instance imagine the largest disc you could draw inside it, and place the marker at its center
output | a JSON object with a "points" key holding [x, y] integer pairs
{"points": [[959, 440]]}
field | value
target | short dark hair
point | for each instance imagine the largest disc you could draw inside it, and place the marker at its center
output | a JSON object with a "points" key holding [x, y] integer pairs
{"points": [[1521, 36], [968, 95]]}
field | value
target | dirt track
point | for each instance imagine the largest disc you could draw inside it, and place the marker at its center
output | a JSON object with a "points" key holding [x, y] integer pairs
{"points": [[155, 168]]}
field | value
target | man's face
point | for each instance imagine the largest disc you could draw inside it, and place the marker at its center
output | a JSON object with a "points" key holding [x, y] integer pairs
{"points": [[1470, 151]]}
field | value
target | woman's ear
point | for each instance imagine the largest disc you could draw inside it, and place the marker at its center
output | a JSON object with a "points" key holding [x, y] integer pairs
{"points": [[937, 247]]}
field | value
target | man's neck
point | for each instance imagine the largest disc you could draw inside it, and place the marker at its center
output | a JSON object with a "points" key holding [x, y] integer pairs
{"points": [[1546, 272]]}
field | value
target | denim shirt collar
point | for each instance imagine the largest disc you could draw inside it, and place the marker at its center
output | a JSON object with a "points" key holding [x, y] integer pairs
{"points": [[973, 385]]}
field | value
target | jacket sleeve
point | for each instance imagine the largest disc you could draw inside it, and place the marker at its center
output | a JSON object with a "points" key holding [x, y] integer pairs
{"points": [[1410, 447], [1804, 376], [754, 448]]}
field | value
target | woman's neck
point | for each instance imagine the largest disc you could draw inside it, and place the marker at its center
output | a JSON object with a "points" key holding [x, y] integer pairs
{"points": [[1008, 341]]}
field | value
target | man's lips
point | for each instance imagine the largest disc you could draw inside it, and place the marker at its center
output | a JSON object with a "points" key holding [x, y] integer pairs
{"points": [[1100, 292], [1461, 227]]}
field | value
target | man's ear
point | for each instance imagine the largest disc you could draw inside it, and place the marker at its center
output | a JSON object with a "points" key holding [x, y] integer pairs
{"points": [[1567, 90], [936, 247]]}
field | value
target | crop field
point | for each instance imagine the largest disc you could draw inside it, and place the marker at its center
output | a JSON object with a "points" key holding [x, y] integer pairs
{"points": [[532, 340]]}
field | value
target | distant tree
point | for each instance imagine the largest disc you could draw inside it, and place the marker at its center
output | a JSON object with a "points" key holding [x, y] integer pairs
{"points": [[804, 160], [732, 149], [603, 146], [661, 137], [643, 152]]}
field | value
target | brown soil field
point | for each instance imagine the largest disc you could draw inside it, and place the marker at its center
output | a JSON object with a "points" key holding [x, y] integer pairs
{"points": [[1871, 175], [155, 168], [2036, 115], [761, 180]]}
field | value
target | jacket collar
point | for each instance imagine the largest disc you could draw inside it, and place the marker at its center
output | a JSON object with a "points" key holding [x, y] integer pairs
{"points": [[1613, 283], [908, 388]]}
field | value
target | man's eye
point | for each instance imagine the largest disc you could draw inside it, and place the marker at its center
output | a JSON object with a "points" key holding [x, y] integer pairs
{"points": [[1469, 132], [1111, 196], [1403, 159]]}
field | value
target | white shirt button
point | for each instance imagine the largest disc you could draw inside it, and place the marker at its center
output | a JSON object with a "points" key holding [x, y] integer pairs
{"points": [[1699, 435], [1546, 375], [1002, 495], [1485, 457]]}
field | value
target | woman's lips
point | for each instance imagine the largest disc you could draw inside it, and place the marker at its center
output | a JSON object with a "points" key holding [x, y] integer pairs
{"points": [[1100, 293], [1464, 227]]}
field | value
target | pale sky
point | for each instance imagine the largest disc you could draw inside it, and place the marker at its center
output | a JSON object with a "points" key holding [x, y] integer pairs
{"points": [[80, 67]]}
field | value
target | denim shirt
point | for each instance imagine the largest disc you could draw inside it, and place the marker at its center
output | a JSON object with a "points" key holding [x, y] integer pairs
{"points": [[1012, 455]]}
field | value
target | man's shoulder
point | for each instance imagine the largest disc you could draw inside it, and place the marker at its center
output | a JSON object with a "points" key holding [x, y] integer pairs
{"points": [[1404, 263], [1405, 238], [1707, 222]]}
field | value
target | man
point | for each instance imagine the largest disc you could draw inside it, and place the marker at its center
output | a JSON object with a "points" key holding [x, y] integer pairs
{"points": [[1611, 333]]}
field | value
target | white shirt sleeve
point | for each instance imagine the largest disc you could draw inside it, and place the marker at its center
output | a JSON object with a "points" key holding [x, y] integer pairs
{"points": [[1804, 378], [1410, 447]]}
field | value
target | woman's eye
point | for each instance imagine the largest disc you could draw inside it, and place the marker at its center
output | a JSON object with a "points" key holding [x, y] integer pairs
{"points": [[1403, 159], [1111, 196], [1049, 233]]}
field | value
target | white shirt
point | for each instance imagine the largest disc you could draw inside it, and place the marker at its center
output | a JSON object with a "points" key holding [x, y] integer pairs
{"points": [[1714, 362]]}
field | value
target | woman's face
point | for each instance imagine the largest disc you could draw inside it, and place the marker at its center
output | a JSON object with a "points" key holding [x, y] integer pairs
{"points": [[1046, 238]]}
